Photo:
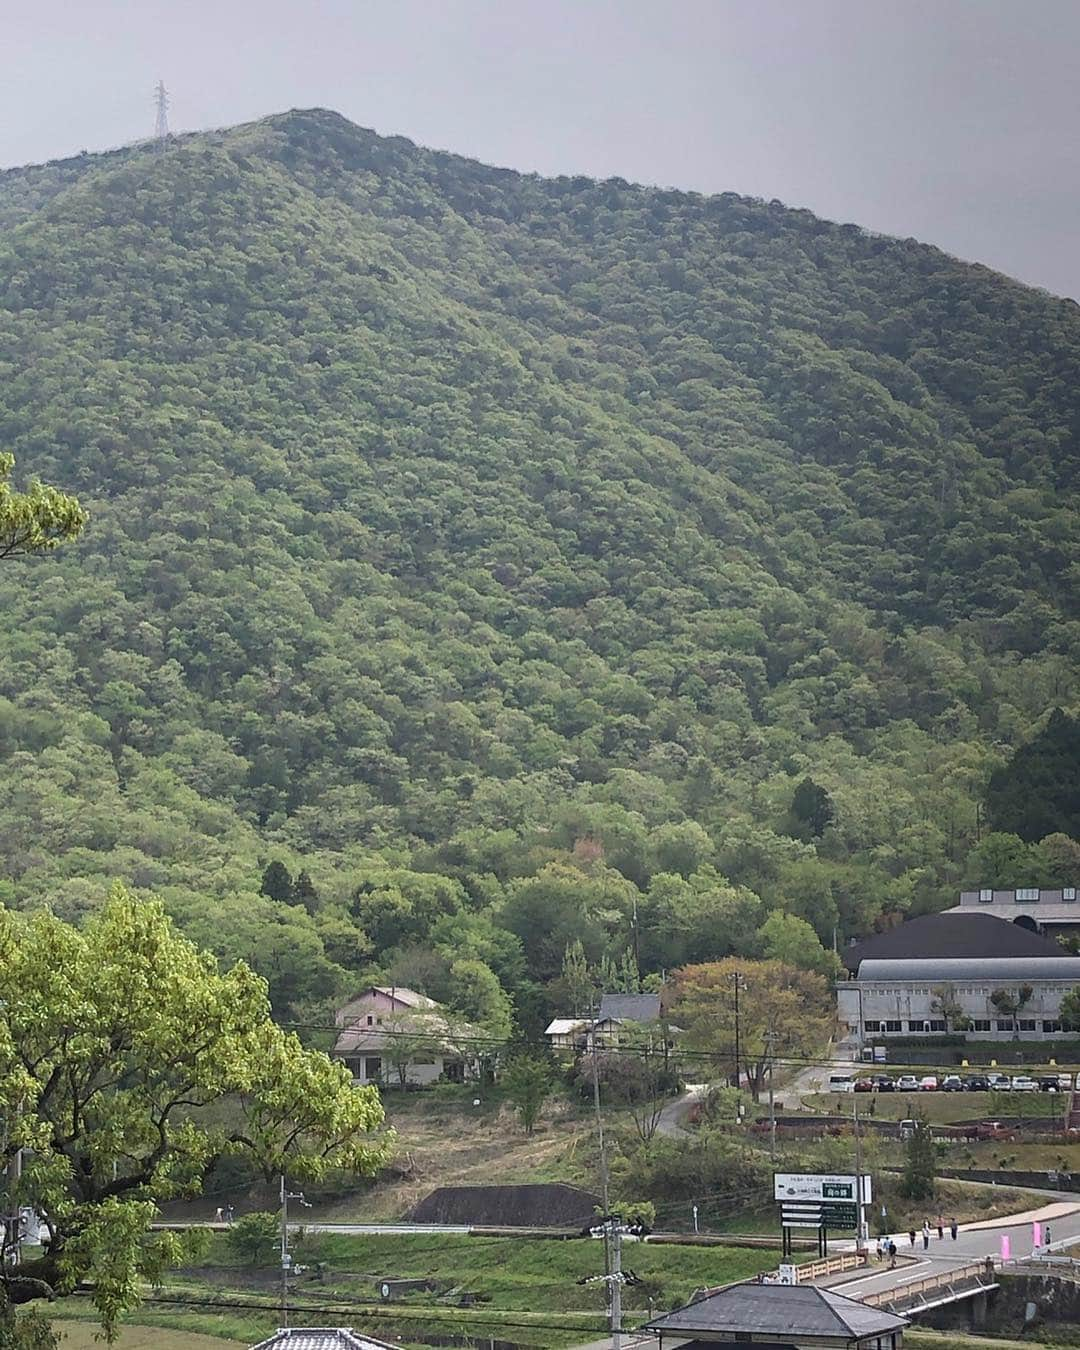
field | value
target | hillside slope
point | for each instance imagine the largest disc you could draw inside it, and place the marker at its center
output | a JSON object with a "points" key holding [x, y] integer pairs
{"points": [[449, 521]]}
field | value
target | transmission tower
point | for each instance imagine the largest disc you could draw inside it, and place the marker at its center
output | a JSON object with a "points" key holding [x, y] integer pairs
{"points": [[161, 126]]}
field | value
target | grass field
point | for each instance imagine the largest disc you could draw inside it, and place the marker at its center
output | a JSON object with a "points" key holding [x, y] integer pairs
{"points": [[450, 1143], [522, 1290], [942, 1107], [80, 1335]]}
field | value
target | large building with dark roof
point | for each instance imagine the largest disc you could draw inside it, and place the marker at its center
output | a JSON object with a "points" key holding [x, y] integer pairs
{"points": [[952, 934], [782, 1317], [948, 973]]}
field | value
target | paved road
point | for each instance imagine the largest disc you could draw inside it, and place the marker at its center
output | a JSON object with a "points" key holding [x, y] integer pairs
{"points": [[673, 1116], [975, 1242]]}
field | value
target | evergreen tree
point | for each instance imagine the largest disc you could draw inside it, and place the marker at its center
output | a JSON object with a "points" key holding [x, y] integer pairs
{"points": [[920, 1163], [277, 883], [812, 809], [303, 891], [1037, 792]]}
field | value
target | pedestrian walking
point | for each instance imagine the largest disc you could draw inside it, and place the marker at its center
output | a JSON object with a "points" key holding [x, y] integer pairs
{"points": [[925, 1236], [892, 1254], [219, 1214], [1046, 1236], [880, 1248], [911, 1236], [940, 1227], [953, 1228], [229, 1213]]}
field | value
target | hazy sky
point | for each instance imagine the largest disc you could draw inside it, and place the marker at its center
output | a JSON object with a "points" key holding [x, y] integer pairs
{"points": [[956, 121]]}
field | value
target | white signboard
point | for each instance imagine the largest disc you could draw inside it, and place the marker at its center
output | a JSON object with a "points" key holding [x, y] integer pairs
{"points": [[787, 1274], [814, 1186]]}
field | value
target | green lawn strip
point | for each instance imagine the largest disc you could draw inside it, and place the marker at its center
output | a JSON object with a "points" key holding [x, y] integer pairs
{"points": [[957, 1340], [941, 1107], [508, 1275], [229, 1327]]}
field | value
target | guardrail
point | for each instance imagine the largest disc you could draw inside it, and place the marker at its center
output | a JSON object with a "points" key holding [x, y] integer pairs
{"points": [[976, 1276], [830, 1265]]}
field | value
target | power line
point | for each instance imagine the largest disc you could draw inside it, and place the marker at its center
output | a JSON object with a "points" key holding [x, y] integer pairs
{"points": [[372, 1309], [859, 1068]]}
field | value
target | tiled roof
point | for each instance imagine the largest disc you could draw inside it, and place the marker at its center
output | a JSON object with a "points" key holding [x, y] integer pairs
{"points": [[790, 1311], [936, 936], [630, 1007], [407, 996], [321, 1338]]}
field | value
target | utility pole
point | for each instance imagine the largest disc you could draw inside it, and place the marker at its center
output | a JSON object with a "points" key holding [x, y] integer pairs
{"points": [[600, 1144], [599, 1116], [770, 1040], [860, 1240], [286, 1259], [161, 124], [615, 1285], [612, 1228], [737, 980]]}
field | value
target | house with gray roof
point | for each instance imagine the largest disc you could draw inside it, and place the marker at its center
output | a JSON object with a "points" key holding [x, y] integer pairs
{"points": [[782, 1317], [616, 1014], [321, 1338]]}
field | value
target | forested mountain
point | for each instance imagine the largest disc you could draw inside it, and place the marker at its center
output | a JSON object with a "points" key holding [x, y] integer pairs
{"points": [[513, 557]]}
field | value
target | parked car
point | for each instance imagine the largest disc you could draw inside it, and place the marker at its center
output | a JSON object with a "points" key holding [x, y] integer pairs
{"points": [[999, 1082], [907, 1082], [928, 1083], [977, 1082], [952, 1083], [1049, 1083], [1065, 1081], [864, 1085], [1022, 1083], [883, 1083], [992, 1129]]}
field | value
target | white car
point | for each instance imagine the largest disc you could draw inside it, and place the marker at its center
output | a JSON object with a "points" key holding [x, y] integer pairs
{"points": [[999, 1082], [907, 1082], [1022, 1083]]}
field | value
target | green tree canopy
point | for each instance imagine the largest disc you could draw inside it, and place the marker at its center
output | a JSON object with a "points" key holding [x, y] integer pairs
{"points": [[36, 520], [128, 1065]]}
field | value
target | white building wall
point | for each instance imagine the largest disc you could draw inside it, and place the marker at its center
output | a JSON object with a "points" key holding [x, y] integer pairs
{"points": [[896, 1005]]}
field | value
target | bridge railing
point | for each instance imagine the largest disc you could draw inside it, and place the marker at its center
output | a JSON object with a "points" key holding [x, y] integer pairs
{"points": [[830, 1265], [976, 1272]]}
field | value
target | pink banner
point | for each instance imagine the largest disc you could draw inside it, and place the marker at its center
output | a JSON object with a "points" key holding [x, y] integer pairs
{"points": [[1004, 1246], [1036, 1235]]}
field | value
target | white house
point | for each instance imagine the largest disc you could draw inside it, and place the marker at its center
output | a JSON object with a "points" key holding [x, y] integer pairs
{"points": [[393, 1035]]}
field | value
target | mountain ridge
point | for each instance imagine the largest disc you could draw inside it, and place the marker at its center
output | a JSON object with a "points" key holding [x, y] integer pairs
{"points": [[448, 519]]}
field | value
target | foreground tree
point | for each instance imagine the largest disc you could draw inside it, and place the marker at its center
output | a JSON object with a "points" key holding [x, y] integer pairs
{"points": [[128, 1066], [37, 520], [782, 1011]]}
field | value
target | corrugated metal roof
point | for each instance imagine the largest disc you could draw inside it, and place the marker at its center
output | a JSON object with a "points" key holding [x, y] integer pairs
{"points": [[794, 1311], [973, 968]]}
